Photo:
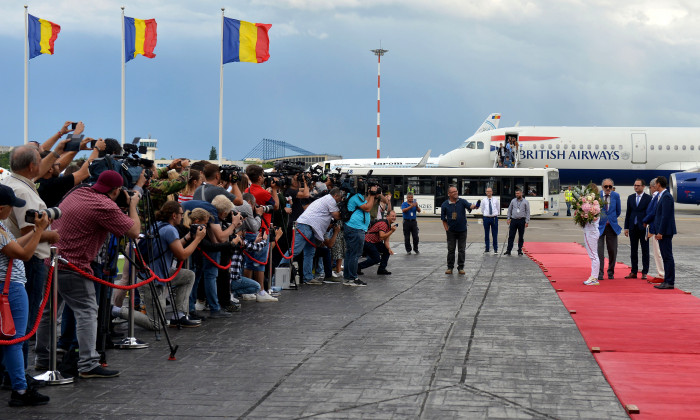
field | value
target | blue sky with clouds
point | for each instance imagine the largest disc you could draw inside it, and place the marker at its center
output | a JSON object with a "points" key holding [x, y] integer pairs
{"points": [[450, 63]]}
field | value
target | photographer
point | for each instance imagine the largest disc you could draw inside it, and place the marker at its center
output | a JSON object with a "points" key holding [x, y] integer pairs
{"points": [[377, 247], [354, 232], [312, 226], [161, 185], [169, 248], [89, 215], [213, 186], [380, 206], [16, 250], [25, 164], [255, 174], [242, 286]]}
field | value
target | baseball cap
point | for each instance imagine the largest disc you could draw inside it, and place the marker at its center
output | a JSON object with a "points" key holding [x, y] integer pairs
{"points": [[8, 197], [107, 181]]}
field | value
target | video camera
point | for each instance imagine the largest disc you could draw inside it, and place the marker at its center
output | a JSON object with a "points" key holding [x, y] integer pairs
{"points": [[230, 173], [284, 172], [129, 165]]}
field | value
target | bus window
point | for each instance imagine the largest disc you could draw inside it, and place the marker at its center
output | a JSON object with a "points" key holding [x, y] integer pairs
{"points": [[519, 185], [494, 183], [421, 184], [533, 187], [553, 178]]}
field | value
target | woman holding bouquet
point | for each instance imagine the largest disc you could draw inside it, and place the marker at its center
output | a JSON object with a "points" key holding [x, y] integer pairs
{"points": [[587, 215]]}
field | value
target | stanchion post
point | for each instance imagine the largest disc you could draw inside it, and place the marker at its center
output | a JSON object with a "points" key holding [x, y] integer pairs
{"points": [[131, 342], [53, 376]]}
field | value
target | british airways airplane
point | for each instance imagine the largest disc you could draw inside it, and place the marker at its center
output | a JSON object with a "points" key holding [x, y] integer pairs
{"points": [[584, 154], [490, 123]]}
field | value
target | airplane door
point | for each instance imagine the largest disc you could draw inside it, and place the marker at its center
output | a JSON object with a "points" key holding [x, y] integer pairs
{"points": [[639, 148]]}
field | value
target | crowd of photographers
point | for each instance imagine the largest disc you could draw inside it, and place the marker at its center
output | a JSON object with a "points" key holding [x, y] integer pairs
{"points": [[183, 223]]}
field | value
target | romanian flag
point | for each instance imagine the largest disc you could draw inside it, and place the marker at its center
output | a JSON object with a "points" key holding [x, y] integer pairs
{"points": [[41, 35], [496, 117], [245, 41], [139, 37]]}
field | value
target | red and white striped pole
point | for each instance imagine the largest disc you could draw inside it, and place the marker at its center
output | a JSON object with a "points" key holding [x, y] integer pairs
{"points": [[379, 53]]}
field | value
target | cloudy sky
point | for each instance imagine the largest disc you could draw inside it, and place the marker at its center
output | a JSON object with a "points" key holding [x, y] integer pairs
{"points": [[450, 63]]}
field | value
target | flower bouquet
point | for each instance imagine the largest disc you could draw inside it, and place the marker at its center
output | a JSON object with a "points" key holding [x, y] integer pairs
{"points": [[586, 204]]}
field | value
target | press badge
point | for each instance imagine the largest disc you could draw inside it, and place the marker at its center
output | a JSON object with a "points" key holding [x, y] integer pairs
{"points": [[454, 215]]}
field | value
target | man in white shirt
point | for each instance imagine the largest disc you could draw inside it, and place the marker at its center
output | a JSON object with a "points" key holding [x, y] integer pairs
{"points": [[490, 208]]}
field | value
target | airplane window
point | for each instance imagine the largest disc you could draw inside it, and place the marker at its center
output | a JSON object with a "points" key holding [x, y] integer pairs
{"points": [[480, 145], [675, 147], [566, 146], [605, 147], [541, 146], [612, 147], [692, 147], [471, 145], [683, 147], [668, 147], [557, 146], [660, 147], [589, 147], [652, 147], [549, 146]]}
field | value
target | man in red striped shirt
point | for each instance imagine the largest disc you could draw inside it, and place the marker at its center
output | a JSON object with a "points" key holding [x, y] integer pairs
{"points": [[377, 247]]}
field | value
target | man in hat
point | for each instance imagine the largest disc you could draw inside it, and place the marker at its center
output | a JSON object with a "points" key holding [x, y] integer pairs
{"points": [[89, 214]]}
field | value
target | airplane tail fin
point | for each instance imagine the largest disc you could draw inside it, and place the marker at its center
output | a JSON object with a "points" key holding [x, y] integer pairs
{"points": [[423, 161], [491, 123]]}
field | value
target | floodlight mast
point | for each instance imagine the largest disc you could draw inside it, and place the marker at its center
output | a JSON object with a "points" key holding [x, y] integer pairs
{"points": [[379, 53]]}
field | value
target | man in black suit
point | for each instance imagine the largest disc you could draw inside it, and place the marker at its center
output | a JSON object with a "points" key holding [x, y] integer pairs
{"points": [[637, 204], [665, 228]]}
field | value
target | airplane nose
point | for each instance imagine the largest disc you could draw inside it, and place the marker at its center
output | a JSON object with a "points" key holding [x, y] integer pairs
{"points": [[448, 160]]}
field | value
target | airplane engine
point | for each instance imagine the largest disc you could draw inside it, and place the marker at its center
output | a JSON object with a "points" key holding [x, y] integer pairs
{"points": [[685, 187]]}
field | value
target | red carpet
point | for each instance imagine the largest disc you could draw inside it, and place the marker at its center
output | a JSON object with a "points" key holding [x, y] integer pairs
{"points": [[649, 339]]}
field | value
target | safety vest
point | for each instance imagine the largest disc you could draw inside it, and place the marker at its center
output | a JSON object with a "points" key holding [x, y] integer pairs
{"points": [[569, 196]]}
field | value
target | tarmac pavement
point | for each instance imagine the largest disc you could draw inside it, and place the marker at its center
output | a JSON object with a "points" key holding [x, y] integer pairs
{"points": [[495, 343]]}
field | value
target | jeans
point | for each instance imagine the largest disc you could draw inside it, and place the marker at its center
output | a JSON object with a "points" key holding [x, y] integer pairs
{"points": [[36, 273], [302, 245], [324, 257], [376, 254], [260, 255], [244, 286], [491, 226], [458, 239], [568, 208], [77, 292], [207, 274], [354, 242], [13, 358]]}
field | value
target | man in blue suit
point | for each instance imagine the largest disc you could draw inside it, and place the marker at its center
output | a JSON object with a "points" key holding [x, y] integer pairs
{"points": [[651, 235], [637, 204], [665, 228], [608, 227]]}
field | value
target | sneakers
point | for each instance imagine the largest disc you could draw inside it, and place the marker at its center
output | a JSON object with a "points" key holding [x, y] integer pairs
{"points": [[184, 322], [99, 372], [383, 272], [265, 297], [591, 282], [337, 274], [194, 316], [486, 251], [219, 314], [495, 252], [448, 271], [200, 305], [234, 300], [234, 307], [315, 282], [354, 283], [248, 297], [460, 271], [332, 280], [416, 251], [408, 252], [30, 397]]}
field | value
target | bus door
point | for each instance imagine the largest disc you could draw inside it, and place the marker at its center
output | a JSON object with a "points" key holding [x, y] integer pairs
{"points": [[397, 192], [441, 185], [507, 191]]}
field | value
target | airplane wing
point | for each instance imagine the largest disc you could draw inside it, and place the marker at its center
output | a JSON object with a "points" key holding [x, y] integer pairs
{"points": [[490, 123], [423, 160]]}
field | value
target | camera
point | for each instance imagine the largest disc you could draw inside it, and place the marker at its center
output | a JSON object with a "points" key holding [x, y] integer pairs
{"points": [[129, 165], [229, 218], [121, 200], [267, 209], [54, 213], [230, 173], [194, 227]]}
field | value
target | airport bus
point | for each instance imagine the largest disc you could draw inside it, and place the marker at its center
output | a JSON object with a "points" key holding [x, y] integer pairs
{"points": [[429, 186]]}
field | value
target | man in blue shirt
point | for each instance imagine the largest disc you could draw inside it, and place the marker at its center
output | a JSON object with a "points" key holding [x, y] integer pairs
{"points": [[454, 220], [410, 224]]}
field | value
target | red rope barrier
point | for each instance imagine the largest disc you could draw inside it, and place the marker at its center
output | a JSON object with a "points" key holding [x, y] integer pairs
{"points": [[282, 253], [106, 283], [38, 317], [307, 239], [259, 262], [214, 262], [153, 275]]}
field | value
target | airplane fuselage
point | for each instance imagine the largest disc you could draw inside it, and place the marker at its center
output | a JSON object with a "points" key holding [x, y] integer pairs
{"points": [[584, 154]]}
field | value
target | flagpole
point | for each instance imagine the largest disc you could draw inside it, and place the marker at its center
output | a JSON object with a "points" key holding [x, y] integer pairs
{"points": [[123, 79], [221, 89], [26, 75]]}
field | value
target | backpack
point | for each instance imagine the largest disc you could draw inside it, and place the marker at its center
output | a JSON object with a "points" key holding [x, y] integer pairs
{"points": [[345, 213]]}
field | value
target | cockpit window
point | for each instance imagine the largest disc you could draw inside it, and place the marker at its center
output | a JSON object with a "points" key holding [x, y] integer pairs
{"points": [[470, 145], [480, 145]]}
